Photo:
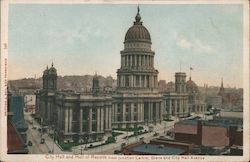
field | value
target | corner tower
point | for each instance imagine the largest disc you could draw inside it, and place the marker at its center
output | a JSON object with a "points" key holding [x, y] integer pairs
{"points": [[180, 82]]}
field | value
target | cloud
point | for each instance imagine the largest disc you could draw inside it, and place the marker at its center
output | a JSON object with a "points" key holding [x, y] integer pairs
{"points": [[195, 45], [78, 34], [183, 43]]}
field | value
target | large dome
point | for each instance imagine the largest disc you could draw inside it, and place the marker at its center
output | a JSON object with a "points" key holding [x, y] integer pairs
{"points": [[137, 32]]}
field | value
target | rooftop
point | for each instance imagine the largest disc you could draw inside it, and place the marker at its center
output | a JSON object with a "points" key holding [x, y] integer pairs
{"points": [[218, 122], [158, 149], [15, 143]]}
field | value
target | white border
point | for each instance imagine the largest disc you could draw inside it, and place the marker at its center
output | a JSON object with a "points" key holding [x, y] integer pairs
{"points": [[29, 157]]}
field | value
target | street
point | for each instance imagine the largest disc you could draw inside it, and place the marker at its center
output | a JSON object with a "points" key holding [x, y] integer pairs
{"points": [[49, 146], [34, 136], [110, 148]]}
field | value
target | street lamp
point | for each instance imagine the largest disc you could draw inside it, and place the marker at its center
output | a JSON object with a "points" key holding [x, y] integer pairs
{"points": [[53, 139]]}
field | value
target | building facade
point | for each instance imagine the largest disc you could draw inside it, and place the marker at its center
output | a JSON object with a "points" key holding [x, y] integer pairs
{"points": [[75, 116], [137, 100]]}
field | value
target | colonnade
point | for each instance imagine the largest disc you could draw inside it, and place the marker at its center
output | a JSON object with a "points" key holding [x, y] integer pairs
{"points": [[177, 106], [137, 112], [102, 119], [136, 60], [137, 80]]}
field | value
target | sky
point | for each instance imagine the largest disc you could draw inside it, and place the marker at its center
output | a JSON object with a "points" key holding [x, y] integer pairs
{"points": [[83, 39]]}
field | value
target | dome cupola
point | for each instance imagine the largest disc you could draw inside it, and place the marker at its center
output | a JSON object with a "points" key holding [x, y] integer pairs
{"points": [[52, 70], [137, 33]]}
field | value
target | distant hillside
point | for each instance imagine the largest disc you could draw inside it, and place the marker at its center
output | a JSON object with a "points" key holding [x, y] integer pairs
{"points": [[72, 82]]}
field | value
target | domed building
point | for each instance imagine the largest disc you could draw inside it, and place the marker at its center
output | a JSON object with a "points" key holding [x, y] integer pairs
{"points": [[137, 100], [195, 104], [191, 86], [88, 117]]}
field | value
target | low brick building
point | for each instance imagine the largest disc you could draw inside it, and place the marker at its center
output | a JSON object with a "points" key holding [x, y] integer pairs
{"points": [[215, 133]]}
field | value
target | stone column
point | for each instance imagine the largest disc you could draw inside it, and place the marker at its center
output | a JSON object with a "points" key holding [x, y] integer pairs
{"points": [[80, 124], [132, 81], [121, 61], [128, 60], [101, 118], [175, 107], [181, 107], [127, 63], [90, 119], [70, 119], [113, 113], [123, 81], [143, 60], [132, 112], [123, 64], [138, 112], [136, 60], [147, 61], [140, 81], [161, 111], [152, 111], [184, 106], [142, 110], [66, 128], [110, 116], [107, 117], [156, 111], [131, 64], [123, 112], [125, 60], [170, 107], [152, 61], [98, 120], [151, 81], [139, 60], [149, 111]]}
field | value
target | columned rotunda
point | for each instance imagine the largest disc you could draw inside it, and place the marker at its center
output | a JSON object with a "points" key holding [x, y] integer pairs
{"points": [[137, 100]]}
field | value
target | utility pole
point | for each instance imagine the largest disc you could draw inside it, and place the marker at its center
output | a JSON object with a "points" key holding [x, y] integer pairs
{"points": [[53, 140], [81, 149]]}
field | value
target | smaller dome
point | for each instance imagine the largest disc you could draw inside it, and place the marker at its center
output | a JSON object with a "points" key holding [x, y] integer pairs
{"points": [[191, 86]]}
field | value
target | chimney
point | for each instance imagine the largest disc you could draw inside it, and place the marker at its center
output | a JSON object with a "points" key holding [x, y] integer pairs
{"points": [[199, 132]]}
